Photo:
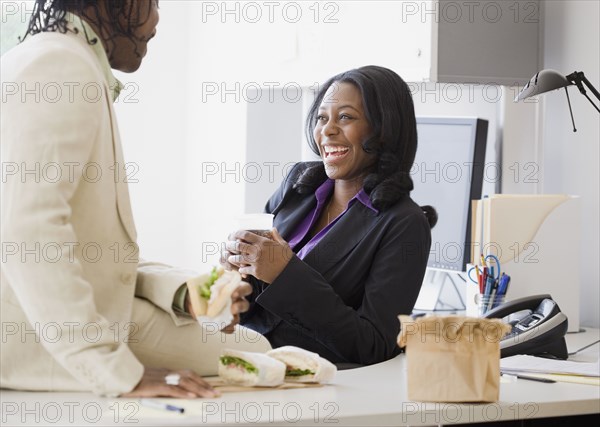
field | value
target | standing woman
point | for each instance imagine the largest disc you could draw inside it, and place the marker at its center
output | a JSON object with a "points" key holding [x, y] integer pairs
{"points": [[350, 247], [118, 327]]}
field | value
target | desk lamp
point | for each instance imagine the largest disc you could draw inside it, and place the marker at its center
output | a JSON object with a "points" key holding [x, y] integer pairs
{"points": [[547, 80]]}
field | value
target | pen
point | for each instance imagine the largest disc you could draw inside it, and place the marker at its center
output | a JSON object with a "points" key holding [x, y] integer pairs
{"points": [[159, 405], [503, 284], [490, 283], [493, 294], [506, 283], [524, 377], [484, 276], [499, 290]]}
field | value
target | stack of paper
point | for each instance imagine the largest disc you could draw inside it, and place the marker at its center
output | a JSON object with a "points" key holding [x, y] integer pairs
{"points": [[558, 370], [505, 224]]}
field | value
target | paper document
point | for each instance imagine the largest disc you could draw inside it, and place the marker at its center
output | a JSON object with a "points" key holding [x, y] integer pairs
{"points": [[577, 379], [522, 364]]}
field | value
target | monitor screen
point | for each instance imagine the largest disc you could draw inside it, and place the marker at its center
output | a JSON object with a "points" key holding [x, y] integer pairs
{"points": [[448, 174]]}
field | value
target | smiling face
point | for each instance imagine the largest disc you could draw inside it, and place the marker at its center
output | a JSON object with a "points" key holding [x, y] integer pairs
{"points": [[128, 53], [340, 130]]}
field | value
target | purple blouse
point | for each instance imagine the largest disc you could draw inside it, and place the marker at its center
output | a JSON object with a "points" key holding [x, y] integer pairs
{"points": [[322, 194]]}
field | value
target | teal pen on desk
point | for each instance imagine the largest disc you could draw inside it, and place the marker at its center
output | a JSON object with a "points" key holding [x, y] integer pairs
{"points": [[160, 405]]}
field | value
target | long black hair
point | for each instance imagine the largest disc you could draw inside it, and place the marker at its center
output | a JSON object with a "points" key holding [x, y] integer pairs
{"points": [[390, 111], [51, 15]]}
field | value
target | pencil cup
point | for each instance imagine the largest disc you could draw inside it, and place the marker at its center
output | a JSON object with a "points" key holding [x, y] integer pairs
{"points": [[471, 292], [486, 302], [260, 224]]}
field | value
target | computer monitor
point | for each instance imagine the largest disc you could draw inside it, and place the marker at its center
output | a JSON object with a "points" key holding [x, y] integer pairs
{"points": [[448, 174]]}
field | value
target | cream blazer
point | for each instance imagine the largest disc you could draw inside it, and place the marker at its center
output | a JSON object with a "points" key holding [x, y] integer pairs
{"points": [[70, 267]]}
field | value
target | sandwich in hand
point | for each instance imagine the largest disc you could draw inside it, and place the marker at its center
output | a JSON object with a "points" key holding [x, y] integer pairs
{"points": [[303, 366], [210, 293], [249, 369]]}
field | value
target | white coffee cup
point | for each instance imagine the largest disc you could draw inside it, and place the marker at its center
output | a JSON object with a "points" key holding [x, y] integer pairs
{"points": [[260, 224]]}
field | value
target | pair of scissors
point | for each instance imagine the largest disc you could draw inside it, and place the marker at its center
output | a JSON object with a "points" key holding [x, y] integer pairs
{"points": [[485, 269], [480, 275], [490, 267], [477, 272]]}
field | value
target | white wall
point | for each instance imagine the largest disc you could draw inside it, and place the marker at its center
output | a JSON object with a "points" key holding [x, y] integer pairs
{"points": [[191, 146], [152, 114], [274, 141], [190, 143], [539, 138], [571, 161]]}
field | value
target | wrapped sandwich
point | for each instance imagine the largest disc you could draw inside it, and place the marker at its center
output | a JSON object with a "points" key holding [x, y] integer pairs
{"points": [[210, 295], [250, 369], [303, 366]]}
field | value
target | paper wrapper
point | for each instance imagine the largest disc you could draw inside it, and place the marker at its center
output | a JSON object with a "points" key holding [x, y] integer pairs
{"points": [[218, 322], [224, 317], [222, 386], [300, 358], [271, 372], [453, 358]]}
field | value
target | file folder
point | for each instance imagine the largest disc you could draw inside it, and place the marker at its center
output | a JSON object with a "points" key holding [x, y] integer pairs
{"points": [[537, 239]]}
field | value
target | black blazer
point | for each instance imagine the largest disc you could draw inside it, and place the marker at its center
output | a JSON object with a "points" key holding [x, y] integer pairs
{"points": [[343, 299]]}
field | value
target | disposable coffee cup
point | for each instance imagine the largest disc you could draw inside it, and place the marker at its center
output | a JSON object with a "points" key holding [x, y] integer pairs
{"points": [[260, 224]]}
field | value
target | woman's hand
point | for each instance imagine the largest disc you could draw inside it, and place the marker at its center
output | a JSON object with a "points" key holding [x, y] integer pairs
{"points": [[224, 260], [258, 256], [153, 384], [239, 304]]}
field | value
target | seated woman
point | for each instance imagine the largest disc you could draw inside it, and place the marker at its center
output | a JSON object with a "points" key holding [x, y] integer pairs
{"points": [[350, 247]]}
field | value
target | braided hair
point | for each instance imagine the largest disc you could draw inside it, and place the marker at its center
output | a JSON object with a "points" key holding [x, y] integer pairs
{"points": [[121, 17]]}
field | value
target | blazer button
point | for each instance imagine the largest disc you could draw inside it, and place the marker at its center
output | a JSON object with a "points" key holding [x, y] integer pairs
{"points": [[127, 278]]}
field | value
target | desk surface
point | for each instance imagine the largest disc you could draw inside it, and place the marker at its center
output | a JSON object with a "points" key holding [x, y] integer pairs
{"points": [[373, 395]]}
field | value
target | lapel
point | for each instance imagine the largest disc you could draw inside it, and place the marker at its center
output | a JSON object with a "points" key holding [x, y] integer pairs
{"points": [[342, 237], [121, 187], [291, 211]]}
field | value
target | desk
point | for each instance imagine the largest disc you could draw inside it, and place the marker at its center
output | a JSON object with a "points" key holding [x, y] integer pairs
{"points": [[373, 395]]}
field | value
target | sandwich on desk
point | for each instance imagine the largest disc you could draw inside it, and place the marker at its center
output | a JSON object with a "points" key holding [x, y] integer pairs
{"points": [[271, 369]]}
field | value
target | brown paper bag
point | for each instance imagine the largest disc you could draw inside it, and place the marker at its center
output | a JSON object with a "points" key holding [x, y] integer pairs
{"points": [[453, 358]]}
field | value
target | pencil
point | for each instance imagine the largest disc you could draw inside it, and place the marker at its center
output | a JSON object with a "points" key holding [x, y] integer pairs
{"points": [[162, 406], [525, 377]]}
